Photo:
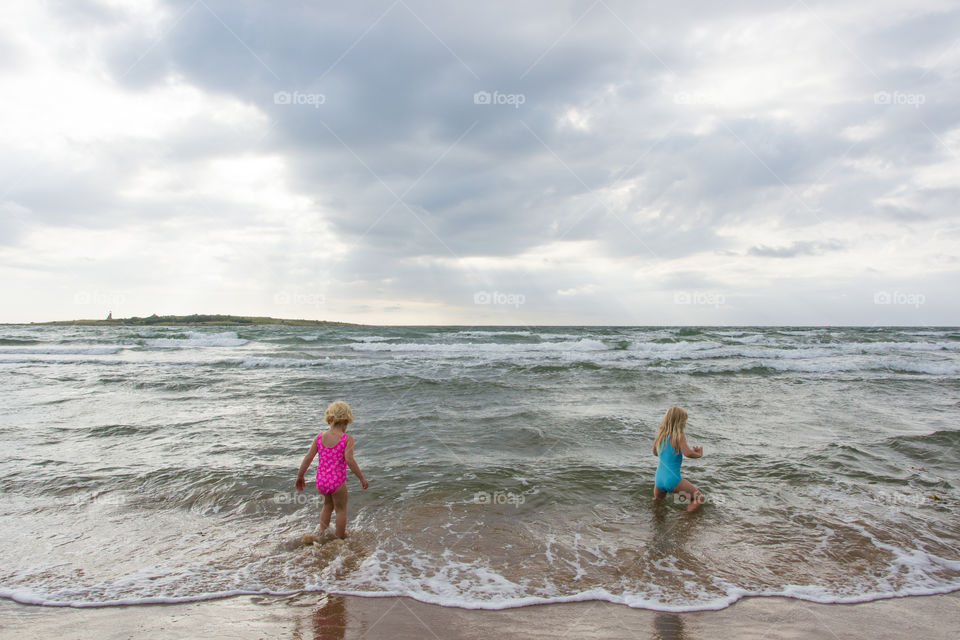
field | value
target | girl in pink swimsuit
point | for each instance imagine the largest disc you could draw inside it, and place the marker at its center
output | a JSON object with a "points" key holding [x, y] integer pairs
{"points": [[334, 449]]}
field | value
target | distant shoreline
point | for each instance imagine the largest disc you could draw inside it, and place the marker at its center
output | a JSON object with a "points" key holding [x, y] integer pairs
{"points": [[230, 320], [194, 320]]}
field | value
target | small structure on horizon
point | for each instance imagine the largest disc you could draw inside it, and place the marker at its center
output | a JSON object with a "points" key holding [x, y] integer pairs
{"points": [[110, 315]]}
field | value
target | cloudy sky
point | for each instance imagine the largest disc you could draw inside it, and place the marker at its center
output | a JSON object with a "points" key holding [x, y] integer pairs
{"points": [[542, 162]]}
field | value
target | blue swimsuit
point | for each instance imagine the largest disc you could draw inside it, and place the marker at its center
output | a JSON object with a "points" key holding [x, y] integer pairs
{"points": [[668, 469]]}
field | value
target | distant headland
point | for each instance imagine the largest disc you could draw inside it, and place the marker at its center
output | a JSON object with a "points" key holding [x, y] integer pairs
{"points": [[197, 319]]}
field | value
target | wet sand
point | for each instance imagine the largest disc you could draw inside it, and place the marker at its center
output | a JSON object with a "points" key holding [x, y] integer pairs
{"points": [[318, 616]]}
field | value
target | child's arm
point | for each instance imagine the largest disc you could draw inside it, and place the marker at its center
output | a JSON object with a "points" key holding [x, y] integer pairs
{"points": [[352, 463], [307, 459], [690, 452]]}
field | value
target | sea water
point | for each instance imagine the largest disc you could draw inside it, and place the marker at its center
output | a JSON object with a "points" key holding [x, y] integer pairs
{"points": [[507, 465]]}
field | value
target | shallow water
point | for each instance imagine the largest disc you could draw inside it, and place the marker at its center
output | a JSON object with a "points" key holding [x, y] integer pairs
{"points": [[507, 465]]}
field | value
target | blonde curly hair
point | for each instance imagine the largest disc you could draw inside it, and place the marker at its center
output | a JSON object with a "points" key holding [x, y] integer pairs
{"points": [[338, 413]]}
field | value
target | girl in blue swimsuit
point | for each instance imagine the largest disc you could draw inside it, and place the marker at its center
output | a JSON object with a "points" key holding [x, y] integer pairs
{"points": [[670, 446]]}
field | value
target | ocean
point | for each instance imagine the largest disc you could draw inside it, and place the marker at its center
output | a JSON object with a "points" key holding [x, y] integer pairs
{"points": [[507, 465]]}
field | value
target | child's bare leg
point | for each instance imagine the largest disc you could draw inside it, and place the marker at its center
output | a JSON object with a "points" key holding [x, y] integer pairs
{"points": [[659, 495], [691, 493], [326, 512], [339, 498]]}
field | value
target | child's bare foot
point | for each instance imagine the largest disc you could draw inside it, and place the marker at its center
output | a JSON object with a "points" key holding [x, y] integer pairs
{"points": [[698, 500]]}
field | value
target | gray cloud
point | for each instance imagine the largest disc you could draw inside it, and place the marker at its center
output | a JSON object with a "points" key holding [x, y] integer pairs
{"points": [[644, 175]]}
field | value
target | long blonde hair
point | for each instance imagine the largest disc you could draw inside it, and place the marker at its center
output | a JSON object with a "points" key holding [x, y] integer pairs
{"points": [[671, 426]]}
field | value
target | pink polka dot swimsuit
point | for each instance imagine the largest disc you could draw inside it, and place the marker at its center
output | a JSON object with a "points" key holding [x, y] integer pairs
{"points": [[331, 465]]}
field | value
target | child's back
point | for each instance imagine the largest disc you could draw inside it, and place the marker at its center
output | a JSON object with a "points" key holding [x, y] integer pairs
{"points": [[331, 461], [334, 451]]}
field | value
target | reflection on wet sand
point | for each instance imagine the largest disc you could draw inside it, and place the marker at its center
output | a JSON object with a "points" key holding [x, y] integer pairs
{"points": [[667, 626], [330, 619]]}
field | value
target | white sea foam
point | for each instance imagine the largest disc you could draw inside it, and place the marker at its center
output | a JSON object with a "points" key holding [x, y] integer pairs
{"points": [[199, 339], [252, 362], [808, 593], [875, 364], [491, 334], [42, 350], [586, 344], [703, 360], [701, 350], [751, 339], [823, 366], [282, 363], [30, 596], [473, 585]]}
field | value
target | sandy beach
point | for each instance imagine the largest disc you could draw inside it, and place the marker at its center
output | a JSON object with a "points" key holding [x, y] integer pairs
{"points": [[316, 616]]}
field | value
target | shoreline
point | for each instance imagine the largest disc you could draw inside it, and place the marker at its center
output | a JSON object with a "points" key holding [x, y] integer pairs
{"points": [[192, 320], [7, 596], [309, 615]]}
